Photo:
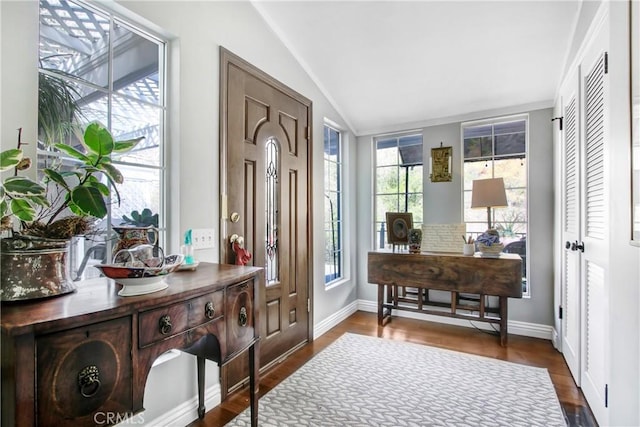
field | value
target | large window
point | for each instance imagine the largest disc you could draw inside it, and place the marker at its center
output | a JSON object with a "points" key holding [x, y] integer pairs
{"points": [[399, 181], [333, 259], [102, 68], [498, 149]]}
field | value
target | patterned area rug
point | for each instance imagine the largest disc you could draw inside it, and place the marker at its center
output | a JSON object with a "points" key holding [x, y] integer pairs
{"points": [[367, 381]]}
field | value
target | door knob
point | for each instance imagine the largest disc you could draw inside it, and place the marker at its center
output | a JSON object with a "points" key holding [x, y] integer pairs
{"points": [[580, 247], [567, 245], [236, 239]]}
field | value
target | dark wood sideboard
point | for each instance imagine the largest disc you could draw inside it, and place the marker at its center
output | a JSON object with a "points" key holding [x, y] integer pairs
{"points": [[68, 358], [456, 273]]}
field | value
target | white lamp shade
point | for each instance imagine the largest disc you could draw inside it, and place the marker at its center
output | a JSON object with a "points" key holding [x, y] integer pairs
{"points": [[488, 193]]}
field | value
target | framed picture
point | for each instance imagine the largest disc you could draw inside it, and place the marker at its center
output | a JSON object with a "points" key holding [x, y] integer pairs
{"points": [[440, 167], [398, 226], [634, 13]]}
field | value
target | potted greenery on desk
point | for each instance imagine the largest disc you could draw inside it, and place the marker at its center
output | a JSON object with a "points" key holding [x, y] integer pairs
{"points": [[34, 260]]}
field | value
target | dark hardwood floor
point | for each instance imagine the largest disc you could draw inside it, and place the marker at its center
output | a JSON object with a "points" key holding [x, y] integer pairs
{"points": [[524, 350]]}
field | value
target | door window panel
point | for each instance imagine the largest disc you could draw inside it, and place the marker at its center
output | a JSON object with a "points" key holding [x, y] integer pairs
{"points": [[272, 197]]}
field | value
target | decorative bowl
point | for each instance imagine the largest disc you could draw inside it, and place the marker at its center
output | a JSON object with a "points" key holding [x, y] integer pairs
{"points": [[490, 251], [140, 256], [141, 280]]}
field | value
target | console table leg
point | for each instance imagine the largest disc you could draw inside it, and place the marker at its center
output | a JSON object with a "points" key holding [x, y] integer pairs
{"points": [[254, 382], [201, 409], [380, 304], [503, 320]]}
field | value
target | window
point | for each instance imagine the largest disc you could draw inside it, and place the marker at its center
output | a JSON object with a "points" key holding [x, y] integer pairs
{"points": [[108, 70], [333, 259], [497, 149], [399, 181]]}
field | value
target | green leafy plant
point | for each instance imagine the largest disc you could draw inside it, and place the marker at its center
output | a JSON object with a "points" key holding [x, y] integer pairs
{"points": [[58, 109], [77, 195], [19, 196], [144, 219]]}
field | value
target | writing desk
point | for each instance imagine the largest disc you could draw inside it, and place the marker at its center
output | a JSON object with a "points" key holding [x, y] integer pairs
{"points": [[500, 276], [83, 358]]}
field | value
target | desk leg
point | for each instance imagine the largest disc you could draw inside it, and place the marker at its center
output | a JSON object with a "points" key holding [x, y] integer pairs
{"points": [[380, 304], [503, 320], [201, 409], [254, 381]]}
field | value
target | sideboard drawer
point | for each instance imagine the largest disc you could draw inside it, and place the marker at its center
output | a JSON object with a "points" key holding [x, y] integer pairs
{"points": [[84, 374], [239, 319], [162, 323]]}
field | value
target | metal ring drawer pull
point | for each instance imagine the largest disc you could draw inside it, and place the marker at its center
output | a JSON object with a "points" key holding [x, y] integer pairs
{"points": [[165, 324], [209, 310], [242, 320], [89, 381]]}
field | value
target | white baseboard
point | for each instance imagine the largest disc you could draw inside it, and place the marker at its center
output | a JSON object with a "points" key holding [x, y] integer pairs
{"points": [[182, 414], [321, 328], [513, 326]]}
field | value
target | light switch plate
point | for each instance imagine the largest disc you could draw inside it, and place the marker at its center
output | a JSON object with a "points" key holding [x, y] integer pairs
{"points": [[203, 238]]}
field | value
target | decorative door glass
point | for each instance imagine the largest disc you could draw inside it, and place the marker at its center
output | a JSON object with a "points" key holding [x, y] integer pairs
{"points": [[272, 196]]}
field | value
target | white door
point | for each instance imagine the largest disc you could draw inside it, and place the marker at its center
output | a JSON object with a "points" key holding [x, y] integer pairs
{"points": [[570, 264], [595, 229], [585, 215]]}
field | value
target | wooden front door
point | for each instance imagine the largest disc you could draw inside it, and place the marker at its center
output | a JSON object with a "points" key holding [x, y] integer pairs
{"points": [[265, 187]]}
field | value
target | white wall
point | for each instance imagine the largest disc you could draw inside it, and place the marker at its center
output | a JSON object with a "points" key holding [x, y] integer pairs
{"points": [[197, 30], [443, 205]]}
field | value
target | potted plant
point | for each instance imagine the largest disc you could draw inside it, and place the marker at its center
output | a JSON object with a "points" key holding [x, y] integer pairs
{"points": [[34, 259]]}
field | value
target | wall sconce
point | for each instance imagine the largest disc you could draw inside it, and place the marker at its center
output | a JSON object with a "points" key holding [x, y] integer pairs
{"points": [[440, 165]]}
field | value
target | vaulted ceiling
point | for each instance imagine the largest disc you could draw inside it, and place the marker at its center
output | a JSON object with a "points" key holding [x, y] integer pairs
{"points": [[388, 65]]}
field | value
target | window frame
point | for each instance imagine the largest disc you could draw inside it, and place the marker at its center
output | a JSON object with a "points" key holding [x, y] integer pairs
{"points": [[46, 155], [339, 275], [377, 225], [492, 159]]}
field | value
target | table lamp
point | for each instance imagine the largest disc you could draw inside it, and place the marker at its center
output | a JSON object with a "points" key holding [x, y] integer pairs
{"points": [[488, 193]]}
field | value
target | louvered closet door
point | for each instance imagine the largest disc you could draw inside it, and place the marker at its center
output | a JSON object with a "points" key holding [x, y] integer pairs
{"points": [[595, 230], [570, 274]]}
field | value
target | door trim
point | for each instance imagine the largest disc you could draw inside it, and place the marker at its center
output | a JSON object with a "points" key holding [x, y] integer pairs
{"points": [[227, 59]]}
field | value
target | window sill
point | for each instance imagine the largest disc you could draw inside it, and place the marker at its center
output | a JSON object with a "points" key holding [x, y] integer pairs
{"points": [[336, 283]]}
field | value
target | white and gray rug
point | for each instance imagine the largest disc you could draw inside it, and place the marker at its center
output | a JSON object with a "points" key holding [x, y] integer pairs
{"points": [[367, 381]]}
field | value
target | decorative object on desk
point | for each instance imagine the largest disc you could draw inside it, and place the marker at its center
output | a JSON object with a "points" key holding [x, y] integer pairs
{"points": [[34, 268], [131, 236], [441, 163], [187, 248], [489, 243], [140, 280], [398, 226], [243, 256], [454, 383], [146, 218], [488, 193], [140, 256], [415, 240], [442, 237], [189, 267], [51, 215], [468, 248]]}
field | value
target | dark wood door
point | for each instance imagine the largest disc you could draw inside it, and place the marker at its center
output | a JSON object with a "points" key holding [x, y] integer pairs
{"points": [[265, 187]]}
